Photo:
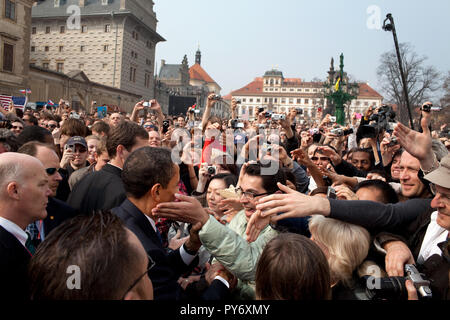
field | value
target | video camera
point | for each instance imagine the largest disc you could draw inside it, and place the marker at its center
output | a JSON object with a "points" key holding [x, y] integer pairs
{"points": [[394, 288], [383, 120], [341, 132]]}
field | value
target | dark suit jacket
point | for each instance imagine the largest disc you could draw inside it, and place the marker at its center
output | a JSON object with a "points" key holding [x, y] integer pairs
{"points": [[101, 190], [168, 266], [57, 212], [14, 260]]}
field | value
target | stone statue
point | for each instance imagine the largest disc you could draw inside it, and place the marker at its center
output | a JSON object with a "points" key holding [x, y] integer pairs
{"points": [[332, 64]]}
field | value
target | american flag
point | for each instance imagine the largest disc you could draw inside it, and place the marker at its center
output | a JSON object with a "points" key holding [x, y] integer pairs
{"points": [[19, 102]]}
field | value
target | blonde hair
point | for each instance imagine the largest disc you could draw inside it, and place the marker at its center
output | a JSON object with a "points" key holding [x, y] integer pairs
{"points": [[346, 246]]}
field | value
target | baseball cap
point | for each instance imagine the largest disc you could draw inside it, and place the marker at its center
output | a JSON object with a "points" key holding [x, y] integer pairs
{"points": [[77, 140], [441, 176]]}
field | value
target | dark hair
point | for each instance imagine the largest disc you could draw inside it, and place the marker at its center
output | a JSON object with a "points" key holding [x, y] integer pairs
{"points": [[145, 168], [99, 245], [74, 127], [101, 126], [30, 148], [388, 194], [369, 152], [292, 267], [269, 181], [125, 134], [34, 133], [33, 119], [319, 190], [9, 140], [228, 179]]}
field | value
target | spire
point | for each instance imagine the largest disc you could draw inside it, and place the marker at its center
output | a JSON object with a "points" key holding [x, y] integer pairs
{"points": [[198, 56]]}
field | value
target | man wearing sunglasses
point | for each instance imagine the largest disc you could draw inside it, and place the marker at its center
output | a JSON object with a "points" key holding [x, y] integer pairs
{"points": [[57, 210], [17, 127]]}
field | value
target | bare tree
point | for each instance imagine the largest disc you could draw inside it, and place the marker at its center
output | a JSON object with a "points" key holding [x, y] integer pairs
{"points": [[422, 81]]}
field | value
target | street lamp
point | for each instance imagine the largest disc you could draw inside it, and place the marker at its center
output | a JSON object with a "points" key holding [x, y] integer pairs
{"points": [[391, 27], [338, 91]]}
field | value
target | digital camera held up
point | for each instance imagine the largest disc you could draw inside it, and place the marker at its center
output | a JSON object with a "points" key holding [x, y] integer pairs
{"points": [[341, 132], [394, 288], [383, 120]]}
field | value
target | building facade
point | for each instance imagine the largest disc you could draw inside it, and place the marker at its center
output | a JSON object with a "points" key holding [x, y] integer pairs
{"points": [[15, 17], [277, 94], [77, 88], [113, 42]]}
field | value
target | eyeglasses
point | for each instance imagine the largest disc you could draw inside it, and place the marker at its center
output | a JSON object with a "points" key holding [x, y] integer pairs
{"points": [[151, 264], [434, 192], [51, 171], [249, 195], [50, 126], [17, 127], [321, 159]]}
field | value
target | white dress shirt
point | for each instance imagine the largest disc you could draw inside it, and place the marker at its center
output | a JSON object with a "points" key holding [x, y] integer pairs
{"points": [[15, 230], [435, 234]]}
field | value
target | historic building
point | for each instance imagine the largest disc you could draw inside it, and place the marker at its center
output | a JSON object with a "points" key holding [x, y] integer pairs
{"points": [[113, 42], [15, 17], [179, 84], [278, 94]]}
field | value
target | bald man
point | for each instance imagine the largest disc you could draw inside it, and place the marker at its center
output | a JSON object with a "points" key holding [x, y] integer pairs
{"points": [[57, 210], [24, 192]]}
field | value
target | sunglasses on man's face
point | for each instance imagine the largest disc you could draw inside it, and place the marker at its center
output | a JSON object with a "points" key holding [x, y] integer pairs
{"points": [[51, 126], [51, 171], [17, 127]]}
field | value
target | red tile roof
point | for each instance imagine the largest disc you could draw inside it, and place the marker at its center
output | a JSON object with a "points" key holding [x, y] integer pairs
{"points": [[196, 72], [366, 91], [256, 86]]}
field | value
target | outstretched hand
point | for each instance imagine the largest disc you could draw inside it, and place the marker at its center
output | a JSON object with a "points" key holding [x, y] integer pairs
{"points": [[255, 225], [188, 209]]}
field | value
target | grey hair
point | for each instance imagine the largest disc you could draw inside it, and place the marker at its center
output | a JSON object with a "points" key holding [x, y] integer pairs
{"points": [[10, 171], [439, 149]]}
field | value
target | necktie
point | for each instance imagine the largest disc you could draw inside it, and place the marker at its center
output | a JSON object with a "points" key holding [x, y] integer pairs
{"points": [[29, 245], [158, 234]]}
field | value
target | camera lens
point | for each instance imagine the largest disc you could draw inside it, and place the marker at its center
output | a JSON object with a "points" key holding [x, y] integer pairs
{"points": [[211, 170]]}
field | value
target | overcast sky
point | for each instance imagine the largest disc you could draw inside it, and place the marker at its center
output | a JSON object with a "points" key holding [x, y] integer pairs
{"points": [[241, 39]]}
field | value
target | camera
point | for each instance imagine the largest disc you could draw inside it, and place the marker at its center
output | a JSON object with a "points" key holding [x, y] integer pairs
{"points": [[261, 126], [429, 107], [211, 170], [276, 117], [331, 193], [260, 109], [393, 141], [216, 97], [299, 110], [394, 288], [341, 132], [383, 120], [69, 146], [74, 115], [165, 125]]}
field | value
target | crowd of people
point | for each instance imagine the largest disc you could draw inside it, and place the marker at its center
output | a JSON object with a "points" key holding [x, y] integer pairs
{"points": [[194, 207]]}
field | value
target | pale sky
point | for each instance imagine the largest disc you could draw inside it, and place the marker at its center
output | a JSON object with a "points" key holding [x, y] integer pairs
{"points": [[241, 39]]}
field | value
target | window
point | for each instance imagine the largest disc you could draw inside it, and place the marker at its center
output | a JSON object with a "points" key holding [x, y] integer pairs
{"points": [[291, 101], [47, 48], [251, 100], [82, 48], [33, 48], [258, 100], [10, 10], [62, 29], [299, 90], [275, 100], [265, 100], [244, 100], [33, 30], [149, 44], [45, 65], [107, 28], [8, 57], [306, 101], [283, 100], [306, 90], [366, 103], [105, 47], [81, 66], [132, 74], [105, 2], [284, 89], [61, 48], [60, 67], [83, 29], [299, 101], [147, 80], [47, 29]]}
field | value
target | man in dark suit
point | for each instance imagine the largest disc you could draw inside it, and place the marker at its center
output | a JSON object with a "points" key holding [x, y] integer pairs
{"points": [[103, 190], [24, 192], [57, 210], [150, 177]]}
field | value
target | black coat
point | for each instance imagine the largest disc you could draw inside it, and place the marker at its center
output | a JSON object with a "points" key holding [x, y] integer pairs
{"points": [[168, 266], [101, 190], [57, 212], [14, 260]]}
